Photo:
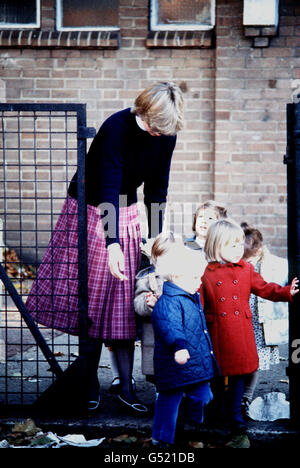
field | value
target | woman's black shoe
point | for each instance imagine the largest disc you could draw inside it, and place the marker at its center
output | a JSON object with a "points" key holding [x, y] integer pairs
{"points": [[134, 407], [115, 386], [94, 395]]}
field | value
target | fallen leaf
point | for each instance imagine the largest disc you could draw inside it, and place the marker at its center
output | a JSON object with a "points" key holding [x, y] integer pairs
{"points": [[120, 438], [28, 427], [130, 440], [196, 444]]}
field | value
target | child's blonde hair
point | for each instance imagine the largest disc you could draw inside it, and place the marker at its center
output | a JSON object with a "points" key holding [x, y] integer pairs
{"points": [[180, 260], [161, 245], [161, 107], [219, 235], [219, 209]]}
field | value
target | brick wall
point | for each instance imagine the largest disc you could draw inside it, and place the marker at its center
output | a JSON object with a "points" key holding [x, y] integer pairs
{"points": [[234, 138], [253, 86]]}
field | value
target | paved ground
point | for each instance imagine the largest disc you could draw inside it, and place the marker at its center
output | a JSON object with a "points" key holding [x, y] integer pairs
{"points": [[26, 373], [109, 420]]}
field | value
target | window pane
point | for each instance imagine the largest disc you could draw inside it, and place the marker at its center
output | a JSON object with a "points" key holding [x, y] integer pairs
{"points": [[18, 11], [184, 11], [79, 13]]}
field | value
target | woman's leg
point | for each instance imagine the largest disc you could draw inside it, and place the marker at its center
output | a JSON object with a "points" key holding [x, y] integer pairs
{"points": [[93, 357], [124, 354], [165, 416]]}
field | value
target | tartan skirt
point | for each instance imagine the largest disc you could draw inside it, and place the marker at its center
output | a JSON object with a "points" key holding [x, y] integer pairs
{"points": [[53, 298]]}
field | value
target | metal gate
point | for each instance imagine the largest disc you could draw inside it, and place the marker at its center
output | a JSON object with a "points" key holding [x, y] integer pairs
{"points": [[41, 147], [292, 159]]}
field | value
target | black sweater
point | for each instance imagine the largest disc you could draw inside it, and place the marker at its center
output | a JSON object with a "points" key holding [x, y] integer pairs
{"points": [[121, 157]]}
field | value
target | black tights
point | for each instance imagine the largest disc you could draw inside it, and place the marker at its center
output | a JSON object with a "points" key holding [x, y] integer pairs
{"points": [[93, 358], [124, 352]]}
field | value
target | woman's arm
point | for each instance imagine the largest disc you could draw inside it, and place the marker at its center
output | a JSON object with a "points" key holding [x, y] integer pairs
{"points": [[156, 189]]}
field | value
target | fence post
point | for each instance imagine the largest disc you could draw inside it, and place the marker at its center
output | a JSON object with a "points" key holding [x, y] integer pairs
{"points": [[292, 160], [2, 342]]}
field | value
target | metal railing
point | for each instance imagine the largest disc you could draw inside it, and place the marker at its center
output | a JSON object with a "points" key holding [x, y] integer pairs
{"points": [[41, 147]]}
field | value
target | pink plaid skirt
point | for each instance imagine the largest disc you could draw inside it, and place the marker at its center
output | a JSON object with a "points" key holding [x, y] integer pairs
{"points": [[53, 299]]}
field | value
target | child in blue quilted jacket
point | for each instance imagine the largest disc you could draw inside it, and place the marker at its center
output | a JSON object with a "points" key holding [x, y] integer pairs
{"points": [[183, 357]]}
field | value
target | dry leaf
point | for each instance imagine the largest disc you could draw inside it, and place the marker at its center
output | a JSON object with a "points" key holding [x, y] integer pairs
{"points": [[196, 444]]}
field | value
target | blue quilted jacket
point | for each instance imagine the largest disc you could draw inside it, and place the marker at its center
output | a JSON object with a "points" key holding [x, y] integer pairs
{"points": [[179, 323]]}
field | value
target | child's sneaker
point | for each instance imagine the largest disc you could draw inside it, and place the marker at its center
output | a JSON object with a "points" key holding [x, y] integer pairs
{"points": [[160, 444]]}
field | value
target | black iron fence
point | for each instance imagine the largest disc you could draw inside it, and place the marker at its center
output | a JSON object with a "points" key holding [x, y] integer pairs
{"points": [[41, 146], [292, 159]]}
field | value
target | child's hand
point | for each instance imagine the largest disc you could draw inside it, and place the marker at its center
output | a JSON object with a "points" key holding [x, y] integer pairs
{"points": [[294, 286], [151, 299], [182, 356]]}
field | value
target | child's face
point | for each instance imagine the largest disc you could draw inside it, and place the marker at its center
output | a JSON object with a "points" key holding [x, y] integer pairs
{"points": [[233, 251], [204, 220], [188, 281]]}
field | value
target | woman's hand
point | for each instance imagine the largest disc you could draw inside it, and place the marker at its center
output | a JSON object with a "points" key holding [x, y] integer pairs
{"points": [[294, 286], [116, 261], [182, 356], [151, 299]]}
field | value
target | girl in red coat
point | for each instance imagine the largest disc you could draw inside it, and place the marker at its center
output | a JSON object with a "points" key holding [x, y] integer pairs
{"points": [[227, 284]]}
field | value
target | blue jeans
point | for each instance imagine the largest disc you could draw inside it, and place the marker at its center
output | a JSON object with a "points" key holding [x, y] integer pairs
{"points": [[167, 406]]}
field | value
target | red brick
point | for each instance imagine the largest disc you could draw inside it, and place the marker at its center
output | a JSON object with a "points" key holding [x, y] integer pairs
{"points": [[234, 138]]}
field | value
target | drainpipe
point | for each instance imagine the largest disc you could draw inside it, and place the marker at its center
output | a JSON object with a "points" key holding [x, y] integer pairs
{"points": [[292, 161]]}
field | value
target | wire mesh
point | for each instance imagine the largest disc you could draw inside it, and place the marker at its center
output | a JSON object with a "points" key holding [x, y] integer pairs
{"points": [[38, 157]]}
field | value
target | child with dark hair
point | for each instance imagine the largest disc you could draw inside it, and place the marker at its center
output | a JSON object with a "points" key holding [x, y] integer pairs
{"points": [[206, 214], [270, 320]]}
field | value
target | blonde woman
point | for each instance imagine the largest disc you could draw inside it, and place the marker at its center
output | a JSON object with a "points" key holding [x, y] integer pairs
{"points": [[133, 146]]}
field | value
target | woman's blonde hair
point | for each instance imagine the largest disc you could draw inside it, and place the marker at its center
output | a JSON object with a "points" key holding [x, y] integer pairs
{"points": [[161, 245], [161, 107], [219, 209], [219, 235]]}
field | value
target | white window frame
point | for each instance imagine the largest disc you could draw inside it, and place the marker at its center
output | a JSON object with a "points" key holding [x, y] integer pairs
{"points": [[60, 27], [35, 25], [155, 26]]}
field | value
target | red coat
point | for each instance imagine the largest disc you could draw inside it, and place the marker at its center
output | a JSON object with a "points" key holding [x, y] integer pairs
{"points": [[225, 294]]}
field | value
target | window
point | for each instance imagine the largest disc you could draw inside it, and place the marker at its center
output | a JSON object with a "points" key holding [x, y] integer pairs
{"points": [[87, 15], [182, 15], [17, 14]]}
